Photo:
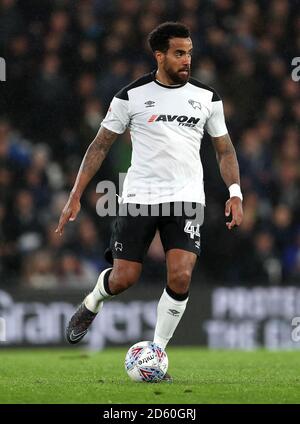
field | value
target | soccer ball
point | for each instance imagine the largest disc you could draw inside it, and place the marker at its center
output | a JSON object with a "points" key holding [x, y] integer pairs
{"points": [[146, 361]]}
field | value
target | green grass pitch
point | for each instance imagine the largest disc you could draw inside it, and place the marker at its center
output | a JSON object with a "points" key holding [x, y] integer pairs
{"points": [[200, 376]]}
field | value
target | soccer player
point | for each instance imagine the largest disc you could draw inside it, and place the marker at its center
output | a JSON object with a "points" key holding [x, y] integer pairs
{"points": [[166, 112]]}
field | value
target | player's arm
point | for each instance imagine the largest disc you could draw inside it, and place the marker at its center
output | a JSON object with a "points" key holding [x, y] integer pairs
{"points": [[227, 160], [90, 164], [229, 170]]}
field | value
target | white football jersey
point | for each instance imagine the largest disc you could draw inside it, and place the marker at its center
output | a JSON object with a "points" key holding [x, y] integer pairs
{"points": [[166, 125]]}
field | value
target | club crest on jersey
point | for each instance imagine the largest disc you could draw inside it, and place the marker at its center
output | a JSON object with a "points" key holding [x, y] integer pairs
{"points": [[194, 104], [182, 120]]}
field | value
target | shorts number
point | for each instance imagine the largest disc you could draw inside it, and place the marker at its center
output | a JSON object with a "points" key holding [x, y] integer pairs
{"points": [[192, 230]]}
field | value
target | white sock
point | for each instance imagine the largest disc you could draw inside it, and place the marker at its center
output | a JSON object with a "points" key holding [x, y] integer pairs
{"points": [[94, 300], [169, 313]]}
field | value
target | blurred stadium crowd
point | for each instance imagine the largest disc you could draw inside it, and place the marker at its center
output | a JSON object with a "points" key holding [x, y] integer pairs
{"points": [[65, 61]]}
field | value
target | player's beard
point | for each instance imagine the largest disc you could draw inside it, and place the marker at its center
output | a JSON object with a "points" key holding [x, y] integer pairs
{"points": [[178, 77]]}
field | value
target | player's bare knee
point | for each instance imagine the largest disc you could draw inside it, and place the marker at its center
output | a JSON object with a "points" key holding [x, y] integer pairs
{"points": [[121, 279], [179, 280]]}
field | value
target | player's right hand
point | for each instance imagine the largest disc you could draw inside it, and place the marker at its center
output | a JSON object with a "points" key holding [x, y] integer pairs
{"points": [[234, 207], [69, 213]]}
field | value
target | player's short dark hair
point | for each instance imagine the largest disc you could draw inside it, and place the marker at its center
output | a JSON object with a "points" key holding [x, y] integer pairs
{"points": [[158, 39]]}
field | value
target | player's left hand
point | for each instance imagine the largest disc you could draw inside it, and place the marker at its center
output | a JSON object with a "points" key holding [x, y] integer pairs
{"points": [[234, 207]]}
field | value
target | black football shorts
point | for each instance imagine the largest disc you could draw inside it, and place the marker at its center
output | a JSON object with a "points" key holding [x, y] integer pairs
{"points": [[135, 227]]}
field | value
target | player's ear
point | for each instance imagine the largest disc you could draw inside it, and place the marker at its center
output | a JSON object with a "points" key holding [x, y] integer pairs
{"points": [[159, 56]]}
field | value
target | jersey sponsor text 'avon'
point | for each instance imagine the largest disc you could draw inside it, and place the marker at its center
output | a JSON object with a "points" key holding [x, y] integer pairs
{"points": [[181, 119]]}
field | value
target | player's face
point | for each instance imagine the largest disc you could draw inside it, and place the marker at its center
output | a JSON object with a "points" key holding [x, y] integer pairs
{"points": [[177, 60]]}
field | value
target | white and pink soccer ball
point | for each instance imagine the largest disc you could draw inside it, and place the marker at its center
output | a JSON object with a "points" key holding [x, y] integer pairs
{"points": [[146, 361]]}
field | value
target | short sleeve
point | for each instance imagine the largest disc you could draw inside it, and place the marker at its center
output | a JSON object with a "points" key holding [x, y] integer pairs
{"points": [[215, 124], [117, 117]]}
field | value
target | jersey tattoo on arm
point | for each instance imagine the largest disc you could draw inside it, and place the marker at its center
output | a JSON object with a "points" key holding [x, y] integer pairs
{"points": [[226, 157]]}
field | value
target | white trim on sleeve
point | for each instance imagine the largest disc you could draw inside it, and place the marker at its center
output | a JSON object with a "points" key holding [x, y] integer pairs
{"points": [[215, 125], [117, 117]]}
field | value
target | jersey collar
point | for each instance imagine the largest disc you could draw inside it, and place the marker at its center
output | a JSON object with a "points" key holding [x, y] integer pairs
{"points": [[165, 85]]}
